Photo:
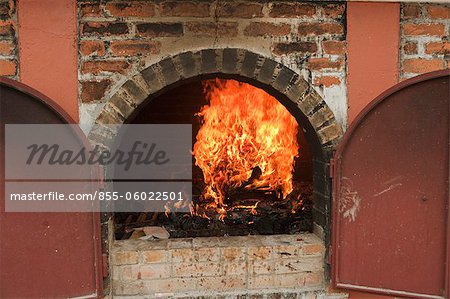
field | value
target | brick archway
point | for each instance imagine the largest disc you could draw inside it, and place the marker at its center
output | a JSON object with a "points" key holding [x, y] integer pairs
{"points": [[289, 87], [322, 130]]}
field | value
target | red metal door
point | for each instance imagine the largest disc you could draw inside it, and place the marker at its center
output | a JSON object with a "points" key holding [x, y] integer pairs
{"points": [[390, 193], [43, 255]]}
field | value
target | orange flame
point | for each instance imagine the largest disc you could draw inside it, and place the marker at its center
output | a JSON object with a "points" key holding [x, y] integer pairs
{"points": [[248, 140]]}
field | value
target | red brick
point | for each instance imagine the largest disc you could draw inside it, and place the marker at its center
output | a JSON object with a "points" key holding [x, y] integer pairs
{"points": [[326, 81], [90, 10], [324, 63], [291, 10], [7, 47], [7, 29], [134, 47], [438, 48], [320, 28], [267, 29], [297, 47], [131, 9], [239, 10], [92, 91], [333, 47], [333, 11], [98, 66], [212, 28], [185, 9], [423, 29], [420, 65], [410, 48], [438, 11], [92, 47], [104, 28], [160, 29], [8, 67], [411, 11]]}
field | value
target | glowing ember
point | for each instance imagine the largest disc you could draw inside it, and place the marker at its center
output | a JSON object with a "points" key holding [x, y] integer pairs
{"points": [[248, 141]]}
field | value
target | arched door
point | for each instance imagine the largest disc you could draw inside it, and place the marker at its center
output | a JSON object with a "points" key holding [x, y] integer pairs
{"points": [[391, 171], [43, 255]]}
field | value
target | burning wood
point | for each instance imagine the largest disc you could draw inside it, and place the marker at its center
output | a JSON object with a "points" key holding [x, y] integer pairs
{"points": [[248, 141]]}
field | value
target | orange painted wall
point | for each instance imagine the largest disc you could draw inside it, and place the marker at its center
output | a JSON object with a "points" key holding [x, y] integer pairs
{"points": [[373, 36], [48, 51]]}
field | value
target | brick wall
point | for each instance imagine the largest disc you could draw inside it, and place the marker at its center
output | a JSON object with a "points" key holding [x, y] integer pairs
{"points": [[425, 45], [287, 264], [118, 39], [8, 39]]}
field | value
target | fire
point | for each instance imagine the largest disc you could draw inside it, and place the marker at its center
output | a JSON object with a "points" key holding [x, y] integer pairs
{"points": [[247, 141]]}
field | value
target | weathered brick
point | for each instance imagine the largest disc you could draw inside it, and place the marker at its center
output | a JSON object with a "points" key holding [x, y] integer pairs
{"points": [[196, 269], [128, 272], [221, 284], [90, 9], [330, 133], [267, 29], [7, 47], [423, 29], [306, 264], [169, 285], [259, 253], [333, 11], [7, 29], [231, 9], [438, 48], [324, 63], [185, 9], [159, 29], [326, 81], [92, 91], [208, 254], [128, 288], [131, 9], [295, 47], [261, 282], [438, 11], [420, 65], [291, 10], [8, 67], [221, 29], [104, 28], [411, 11], [305, 29], [153, 271], [314, 249], [261, 267], [285, 251], [111, 66], [410, 48], [154, 256], [92, 47], [134, 47], [125, 257], [234, 268], [233, 253], [333, 47]]}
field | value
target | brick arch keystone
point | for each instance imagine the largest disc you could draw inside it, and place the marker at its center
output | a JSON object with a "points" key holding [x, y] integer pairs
{"points": [[301, 98]]}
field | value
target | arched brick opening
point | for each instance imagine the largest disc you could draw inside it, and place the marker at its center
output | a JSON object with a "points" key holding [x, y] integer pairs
{"points": [[305, 104], [289, 87]]}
